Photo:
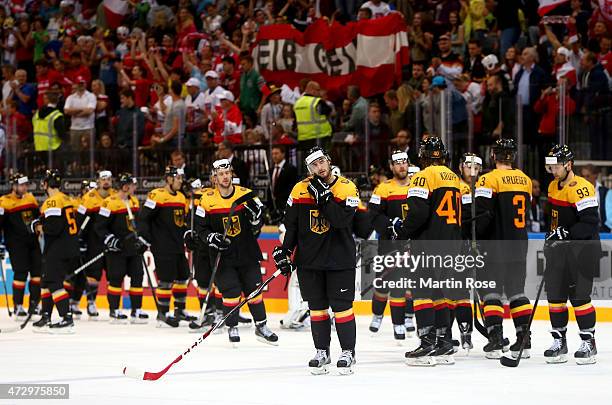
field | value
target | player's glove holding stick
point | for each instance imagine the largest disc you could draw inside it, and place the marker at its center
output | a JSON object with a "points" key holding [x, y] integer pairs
{"points": [[282, 259]]}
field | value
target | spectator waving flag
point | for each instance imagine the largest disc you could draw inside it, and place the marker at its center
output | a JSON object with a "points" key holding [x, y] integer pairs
{"points": [[114, 11], [548, 5]]}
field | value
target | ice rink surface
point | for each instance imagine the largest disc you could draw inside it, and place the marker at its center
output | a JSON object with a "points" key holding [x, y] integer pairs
{"points": [[91, 361]]}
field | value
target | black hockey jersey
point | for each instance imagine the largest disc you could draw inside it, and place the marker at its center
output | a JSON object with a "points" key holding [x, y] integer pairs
{"points": [[60, 226], [389, 200], [16, 215], [503, 197], [113, 218], [575, 207], [323, 235], [434, 203], [212, 215], [162, 221], [89, 206]]}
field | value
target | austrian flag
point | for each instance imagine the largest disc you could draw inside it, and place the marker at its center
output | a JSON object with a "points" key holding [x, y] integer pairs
{"points": [[114, 11], [368, 53], [548, 5]]}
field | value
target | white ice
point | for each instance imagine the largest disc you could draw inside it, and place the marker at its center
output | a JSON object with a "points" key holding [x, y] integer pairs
{"points": [[91, 361]]}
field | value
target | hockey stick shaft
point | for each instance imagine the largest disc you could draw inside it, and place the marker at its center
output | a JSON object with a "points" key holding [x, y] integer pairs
{"points": [[8, 309], [509, 362], [153, 376], [476, 296], [239, 201], [86, 265], [144, 263], [18, 328]]}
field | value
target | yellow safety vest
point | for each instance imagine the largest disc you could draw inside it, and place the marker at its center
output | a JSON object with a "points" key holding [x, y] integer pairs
{"points": [[310, 124], [44, 132]]}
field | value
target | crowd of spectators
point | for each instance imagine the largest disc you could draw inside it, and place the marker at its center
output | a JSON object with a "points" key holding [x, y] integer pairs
{"points": [[179, 75]]}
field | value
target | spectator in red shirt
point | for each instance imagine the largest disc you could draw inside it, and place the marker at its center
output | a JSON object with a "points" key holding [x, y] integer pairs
{"points": [[76, 68], [139, 84], [230, 77], [548, 107], [44, 78], [226, 121], [24, 53], [605, 55]]}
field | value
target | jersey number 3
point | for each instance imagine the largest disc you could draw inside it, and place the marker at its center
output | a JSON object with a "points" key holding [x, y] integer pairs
{"points": [[450, 207], [519, 202]]}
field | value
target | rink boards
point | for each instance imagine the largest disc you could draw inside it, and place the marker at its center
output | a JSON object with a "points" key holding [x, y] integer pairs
{"points": [[276, 295]]}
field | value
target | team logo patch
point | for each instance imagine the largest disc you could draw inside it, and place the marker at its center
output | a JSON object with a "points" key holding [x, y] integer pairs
{"points": [[179, 217], [404, 211], [27, 217], [233, 228], [318, 224]]}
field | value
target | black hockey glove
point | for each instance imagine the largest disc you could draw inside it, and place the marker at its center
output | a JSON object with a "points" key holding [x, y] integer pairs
{"points": [[282, 259], [255, 212], [34, 224], [555, 238], [141, 245], [83, 246], [395, 227], [216, 241], [112, 243], [319, 190], [190, 238]]}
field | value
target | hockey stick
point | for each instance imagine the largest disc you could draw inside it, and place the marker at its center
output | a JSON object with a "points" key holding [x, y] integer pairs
{"points": [[510, 362], [474, 246], [140, 374], [239, 201], [86, 265], [18, 328], [144, 263], [8, 309]]}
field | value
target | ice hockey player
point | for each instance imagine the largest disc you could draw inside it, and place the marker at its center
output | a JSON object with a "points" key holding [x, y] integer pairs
{"points": [[319, 227], [572, 250], [161, 224], [434, 216], [503, 197], [17, 211], [116, 228], [239, 268], [58, 225], [470, 167], [389, 201], [89, 241]]}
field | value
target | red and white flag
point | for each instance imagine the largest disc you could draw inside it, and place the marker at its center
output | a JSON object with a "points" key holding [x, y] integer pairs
{"points": [[367, 53], [548, 5], [114, 11]]}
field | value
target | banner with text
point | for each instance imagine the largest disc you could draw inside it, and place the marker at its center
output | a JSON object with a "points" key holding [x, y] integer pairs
{"points": [[367, 53]]}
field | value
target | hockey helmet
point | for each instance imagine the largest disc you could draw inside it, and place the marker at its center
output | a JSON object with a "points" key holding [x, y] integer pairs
{"points": [[433, 148], [18, 178], [504, 150], [173, 171], [221, 164], [52, 178], [398, 156], [315, 153], [126, 179], [558, 155]]}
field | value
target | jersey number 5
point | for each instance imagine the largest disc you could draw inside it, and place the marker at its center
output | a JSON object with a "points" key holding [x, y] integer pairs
{"points": [[72, 223], [450, 207], [519, 202]]}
